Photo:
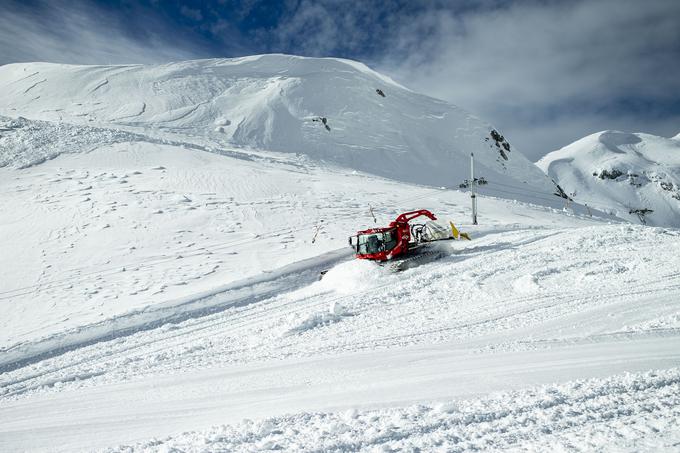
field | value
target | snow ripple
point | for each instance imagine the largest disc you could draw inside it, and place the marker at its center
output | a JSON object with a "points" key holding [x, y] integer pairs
{"points": [[628, 412]]}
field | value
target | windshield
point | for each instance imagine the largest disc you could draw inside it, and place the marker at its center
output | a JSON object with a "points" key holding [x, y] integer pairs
{"points": [[376, 242]]}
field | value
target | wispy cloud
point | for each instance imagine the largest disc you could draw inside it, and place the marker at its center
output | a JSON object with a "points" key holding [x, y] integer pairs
{"points": [[77, 32], [194, 14]]}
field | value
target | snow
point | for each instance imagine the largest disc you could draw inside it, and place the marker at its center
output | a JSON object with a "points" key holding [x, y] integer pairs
{"points": [[161, 289], [574, 416], [351, 277], [641, 171], [443, 331]]}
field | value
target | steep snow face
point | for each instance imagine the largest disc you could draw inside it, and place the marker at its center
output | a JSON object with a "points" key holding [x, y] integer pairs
{"points": [[333, 110], [634, 176]]}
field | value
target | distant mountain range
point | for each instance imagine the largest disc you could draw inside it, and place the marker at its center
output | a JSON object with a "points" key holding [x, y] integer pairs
{"points": [[633, 176]]}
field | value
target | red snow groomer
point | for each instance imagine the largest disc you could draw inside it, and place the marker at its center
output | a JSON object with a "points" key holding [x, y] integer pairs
{"points": [[403, 244]]}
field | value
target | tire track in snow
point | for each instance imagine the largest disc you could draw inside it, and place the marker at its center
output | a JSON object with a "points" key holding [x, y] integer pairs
{"points": [[514, 314], [225, 326], [205, 324], [632, 411], [26, 77], [34, 85], [265, 312], [163, 341], [245, 292], [101, 84]]}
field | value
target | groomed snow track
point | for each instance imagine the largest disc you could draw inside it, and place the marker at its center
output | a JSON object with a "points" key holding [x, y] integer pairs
{"points": [[241, 293]]}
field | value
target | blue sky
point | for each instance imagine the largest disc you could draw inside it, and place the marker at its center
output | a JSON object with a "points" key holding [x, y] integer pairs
{"points": [[544, 72]]}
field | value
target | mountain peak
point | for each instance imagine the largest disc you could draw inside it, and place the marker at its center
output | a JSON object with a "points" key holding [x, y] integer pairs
{"points": [[635, 176], [333, 110]]}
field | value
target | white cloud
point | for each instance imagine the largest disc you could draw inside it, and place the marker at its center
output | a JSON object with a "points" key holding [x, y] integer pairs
{"points": [[324, 28], [533, 68], [194, 14]]}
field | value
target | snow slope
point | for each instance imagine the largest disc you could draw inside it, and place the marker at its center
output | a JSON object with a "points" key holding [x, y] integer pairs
{"points": [[575, 416], [622, 173], [589, 302], [274, 102], [135, 225]]}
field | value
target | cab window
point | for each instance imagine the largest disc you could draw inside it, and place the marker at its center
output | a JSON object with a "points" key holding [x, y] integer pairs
{"points": [[376, 242]]}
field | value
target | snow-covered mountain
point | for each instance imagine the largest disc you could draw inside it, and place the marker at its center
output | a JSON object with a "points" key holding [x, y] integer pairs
{"points": [[331, 110], [162, 233], [634, 176]]}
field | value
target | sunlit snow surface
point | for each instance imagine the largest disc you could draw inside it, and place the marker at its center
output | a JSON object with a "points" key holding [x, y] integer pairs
{"points": [[630, 412], [160, 283]]}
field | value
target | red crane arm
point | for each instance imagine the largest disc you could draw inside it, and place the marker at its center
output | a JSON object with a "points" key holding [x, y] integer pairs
{"points": [[408, 216]]}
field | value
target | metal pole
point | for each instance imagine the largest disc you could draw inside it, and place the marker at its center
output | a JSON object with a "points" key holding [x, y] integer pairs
{"points": [[472, 189]]}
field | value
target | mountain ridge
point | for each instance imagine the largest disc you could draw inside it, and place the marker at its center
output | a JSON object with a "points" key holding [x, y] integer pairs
{"points": [[636, 176], [333, 110]]}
